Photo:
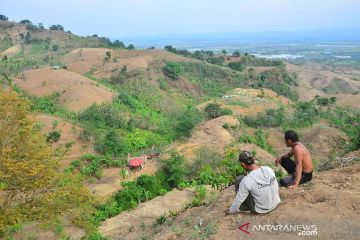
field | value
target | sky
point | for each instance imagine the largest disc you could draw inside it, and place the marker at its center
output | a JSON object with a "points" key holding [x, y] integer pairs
{"points": [[116, 18]]}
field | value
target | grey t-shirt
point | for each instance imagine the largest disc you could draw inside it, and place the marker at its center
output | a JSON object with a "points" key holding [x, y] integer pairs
{"points": [[263, 187]]}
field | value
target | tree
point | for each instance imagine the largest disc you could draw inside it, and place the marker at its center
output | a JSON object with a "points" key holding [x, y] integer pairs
{"points": [[131, 47], [236, 54], [53, 136], [26, 21], [118, 44], [212, 110], [170, 48], [56, 27], [237, 66], [41, 26], [55, 48], [224, 52], [28, 38], [108, 56], [3, 17], [32, 187]]}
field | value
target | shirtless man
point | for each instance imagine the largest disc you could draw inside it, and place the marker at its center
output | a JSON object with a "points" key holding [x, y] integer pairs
{"points": [[300, 170]]}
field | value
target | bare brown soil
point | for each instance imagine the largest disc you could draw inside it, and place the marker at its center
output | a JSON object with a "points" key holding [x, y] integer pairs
{"points": [[249, 102], [211, 134], [321, 139], [11, 51], [314, 78], [76, 92], [331, 202], [69, 134]]}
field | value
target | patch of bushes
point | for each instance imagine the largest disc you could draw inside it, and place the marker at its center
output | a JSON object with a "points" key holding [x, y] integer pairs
{"points": [[213, 110], [277, 80], [323, 101], [172, 70], [250, 60], [216, 60], [223, 175], [47, 104], [144, 188], [237, 66], [103, 116], [259, 140], [305, 114], [347, 121], [138, 139], [186, 122], [53, 136], [91, 165], [111, 143]]}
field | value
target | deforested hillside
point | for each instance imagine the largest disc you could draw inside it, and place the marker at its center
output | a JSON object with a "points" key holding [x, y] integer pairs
{"points": [[143, 143]]}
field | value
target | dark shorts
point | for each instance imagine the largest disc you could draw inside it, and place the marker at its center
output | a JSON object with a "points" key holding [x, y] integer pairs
{"points": [[289, 165]]}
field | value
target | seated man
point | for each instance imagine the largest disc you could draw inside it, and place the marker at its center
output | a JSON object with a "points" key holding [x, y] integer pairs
{"points": [[257, 191], [300, 170]]}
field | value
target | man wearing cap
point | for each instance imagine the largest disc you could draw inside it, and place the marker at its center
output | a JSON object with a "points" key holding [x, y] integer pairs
{"points": [[258, 191]]}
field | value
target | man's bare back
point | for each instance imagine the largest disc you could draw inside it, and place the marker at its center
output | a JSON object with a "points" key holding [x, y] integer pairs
{"points": [[303, 153], [300, 169]]}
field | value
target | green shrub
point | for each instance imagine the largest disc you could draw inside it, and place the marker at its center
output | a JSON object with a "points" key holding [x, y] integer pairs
{"points": [[212, 110], [237, 66], [138, 139], [112, 143], [223, 175], [161, 220], [186, 122], [259, 140], [172, 70], [174, 170], [47, 104], [226, 111], [216, 60], [103, 116], [53, 136]]}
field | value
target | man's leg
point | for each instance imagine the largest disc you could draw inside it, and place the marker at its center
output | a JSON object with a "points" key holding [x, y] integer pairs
{"points": [[248, 204], [287, 181], [237, 182], [305, 177], [289, 165]]}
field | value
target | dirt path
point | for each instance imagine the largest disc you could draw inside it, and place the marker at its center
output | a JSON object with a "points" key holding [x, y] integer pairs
{"points": [[126, 225]]}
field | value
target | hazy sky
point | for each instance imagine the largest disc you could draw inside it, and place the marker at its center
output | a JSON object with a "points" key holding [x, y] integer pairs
{"points": [[153, 17]]}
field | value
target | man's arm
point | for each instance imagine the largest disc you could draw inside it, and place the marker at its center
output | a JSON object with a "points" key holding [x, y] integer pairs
{"points": [[241, 195], [298, 168], [289, 154]]}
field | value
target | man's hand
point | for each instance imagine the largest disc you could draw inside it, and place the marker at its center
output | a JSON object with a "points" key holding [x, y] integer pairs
{"points": [[278, 160], [227, 212], [293, 186]]}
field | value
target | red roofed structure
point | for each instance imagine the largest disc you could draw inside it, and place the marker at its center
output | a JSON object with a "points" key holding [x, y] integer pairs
{"points": [[136, 162]]}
